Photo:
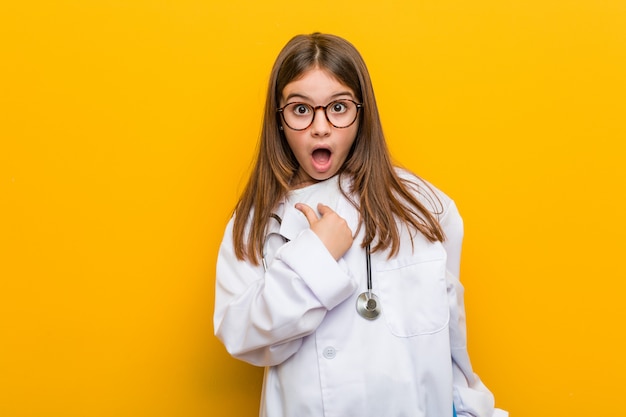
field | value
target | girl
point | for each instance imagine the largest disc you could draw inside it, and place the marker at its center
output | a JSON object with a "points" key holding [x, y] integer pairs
{"points": [[339, 272]]}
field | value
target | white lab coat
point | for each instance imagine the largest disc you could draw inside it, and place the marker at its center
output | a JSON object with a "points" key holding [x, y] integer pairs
{"points": [[298, 319]]}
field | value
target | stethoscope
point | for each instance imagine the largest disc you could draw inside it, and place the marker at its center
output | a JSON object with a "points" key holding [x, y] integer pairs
{"points": [[367, 303], [285, 240]]}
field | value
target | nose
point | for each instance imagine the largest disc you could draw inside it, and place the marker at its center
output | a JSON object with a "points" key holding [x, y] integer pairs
{"points": [[321, 126]]}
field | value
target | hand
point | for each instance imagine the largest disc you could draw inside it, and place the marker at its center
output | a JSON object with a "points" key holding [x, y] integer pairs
{"points": [[332, 229]]}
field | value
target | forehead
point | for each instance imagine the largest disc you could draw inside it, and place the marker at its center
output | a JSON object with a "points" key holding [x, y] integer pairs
{"points": [[317, 85]]}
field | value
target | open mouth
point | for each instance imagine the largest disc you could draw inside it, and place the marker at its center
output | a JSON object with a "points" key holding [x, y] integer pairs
{"points": [[321, 159]]}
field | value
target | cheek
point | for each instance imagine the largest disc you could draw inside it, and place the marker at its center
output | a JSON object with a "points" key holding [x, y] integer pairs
{"points": [[350, 139], [294, 139]]}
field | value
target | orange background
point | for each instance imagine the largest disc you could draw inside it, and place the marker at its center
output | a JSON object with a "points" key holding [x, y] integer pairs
{"points": [[126, 133]]}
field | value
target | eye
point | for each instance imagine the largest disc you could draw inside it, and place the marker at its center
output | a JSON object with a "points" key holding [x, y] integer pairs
{"points": [[300, 109], [339, 106]]}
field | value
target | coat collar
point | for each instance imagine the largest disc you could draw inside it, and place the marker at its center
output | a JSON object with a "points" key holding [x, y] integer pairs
{"points": [[293, 222]]}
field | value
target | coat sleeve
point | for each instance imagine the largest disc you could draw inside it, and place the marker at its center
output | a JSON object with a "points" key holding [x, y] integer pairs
{"points": [[261, 316], [471, 396]]}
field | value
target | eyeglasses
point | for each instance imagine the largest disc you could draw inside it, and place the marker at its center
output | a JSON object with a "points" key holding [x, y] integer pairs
{"points": [[339, 113]]}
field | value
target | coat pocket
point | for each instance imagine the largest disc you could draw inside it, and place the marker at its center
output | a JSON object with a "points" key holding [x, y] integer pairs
{"points": [[413, 295]]}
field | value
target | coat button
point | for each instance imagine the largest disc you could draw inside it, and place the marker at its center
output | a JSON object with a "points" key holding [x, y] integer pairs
{"points": [[329, 352]]}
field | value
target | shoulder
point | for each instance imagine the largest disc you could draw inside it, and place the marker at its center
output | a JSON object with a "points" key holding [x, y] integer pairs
{"points": [[436, 201]]}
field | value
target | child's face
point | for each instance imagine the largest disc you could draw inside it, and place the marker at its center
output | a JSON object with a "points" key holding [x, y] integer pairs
{"points": [[321, 149]]}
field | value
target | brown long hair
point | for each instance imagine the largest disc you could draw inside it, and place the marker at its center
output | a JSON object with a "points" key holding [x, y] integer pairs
{"points": [[383, 198]]}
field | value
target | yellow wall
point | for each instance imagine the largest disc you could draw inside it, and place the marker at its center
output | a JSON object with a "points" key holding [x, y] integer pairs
{"points": [[127, 128]]}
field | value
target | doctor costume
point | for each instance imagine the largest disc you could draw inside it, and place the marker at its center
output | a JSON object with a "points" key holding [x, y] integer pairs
{"points": [[298, 318]]}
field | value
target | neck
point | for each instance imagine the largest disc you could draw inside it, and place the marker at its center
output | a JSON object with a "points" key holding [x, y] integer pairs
{"points": [[301, 180]]}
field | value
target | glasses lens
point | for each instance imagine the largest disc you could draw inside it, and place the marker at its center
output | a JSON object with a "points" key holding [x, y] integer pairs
{"points": [[298, 115], [340, 113]]}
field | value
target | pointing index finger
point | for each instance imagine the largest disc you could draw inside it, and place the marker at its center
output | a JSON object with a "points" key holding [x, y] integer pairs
{"points": [[308, 212]]}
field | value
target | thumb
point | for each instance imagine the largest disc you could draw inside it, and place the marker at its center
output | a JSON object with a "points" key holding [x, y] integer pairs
{"points": [[308, 212]]}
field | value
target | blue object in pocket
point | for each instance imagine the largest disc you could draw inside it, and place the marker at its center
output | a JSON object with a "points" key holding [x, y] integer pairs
{"points": [[453, 411]]}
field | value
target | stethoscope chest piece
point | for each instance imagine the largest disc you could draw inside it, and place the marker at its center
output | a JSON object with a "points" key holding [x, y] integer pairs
{"points": [[368, 306]]}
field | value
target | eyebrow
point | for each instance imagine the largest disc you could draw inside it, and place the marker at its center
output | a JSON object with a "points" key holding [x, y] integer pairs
{"points": [[305, 97]]}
